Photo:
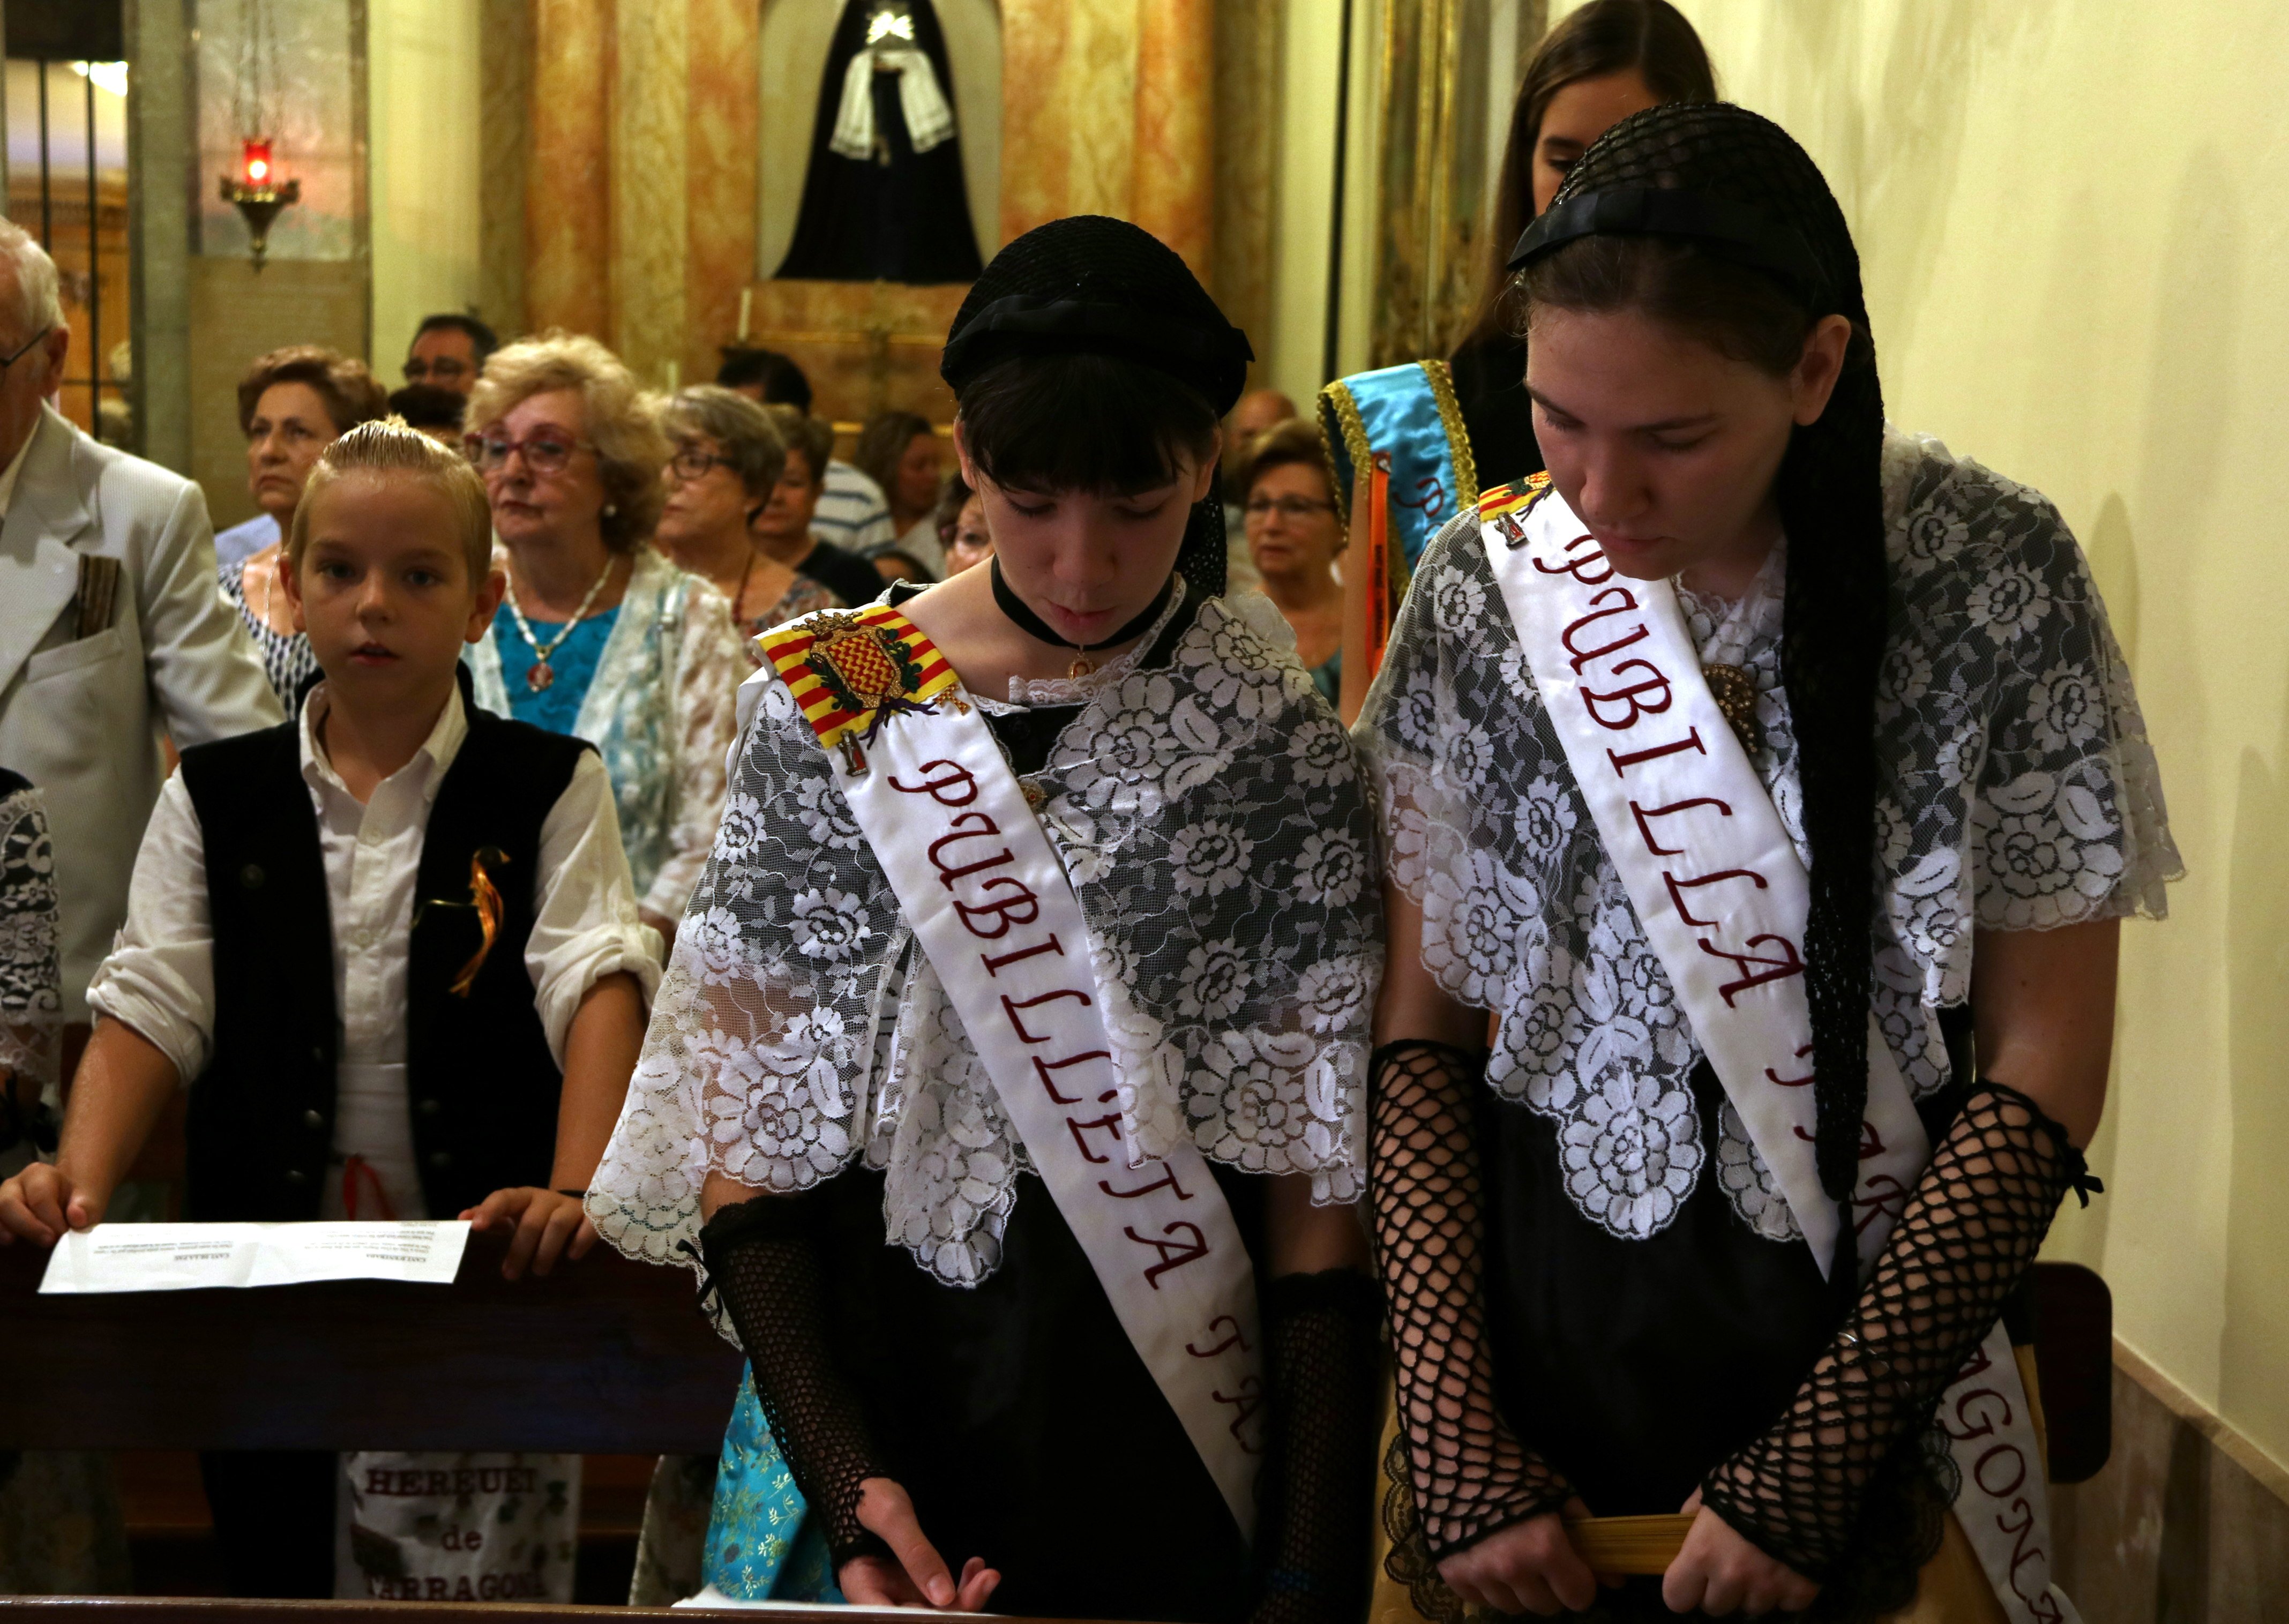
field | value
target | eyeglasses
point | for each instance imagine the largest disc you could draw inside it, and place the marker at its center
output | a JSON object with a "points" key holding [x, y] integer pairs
{"points": [[1287, 507], [544, 453], [24, 348], [443, 368], [693, 465]]}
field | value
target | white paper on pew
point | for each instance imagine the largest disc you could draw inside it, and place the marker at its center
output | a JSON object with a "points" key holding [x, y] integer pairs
{"points": [[168, 1257]]}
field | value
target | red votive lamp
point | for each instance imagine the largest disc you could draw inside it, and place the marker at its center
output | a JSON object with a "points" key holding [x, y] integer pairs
{"points": [[254, 163]]}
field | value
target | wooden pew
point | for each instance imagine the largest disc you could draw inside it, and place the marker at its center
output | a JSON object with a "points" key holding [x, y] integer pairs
{"points": [[604, 1356], [175, 1609]]}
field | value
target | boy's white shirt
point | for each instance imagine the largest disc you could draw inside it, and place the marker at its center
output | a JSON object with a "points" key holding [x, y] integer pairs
{"points": [[159, 976]]}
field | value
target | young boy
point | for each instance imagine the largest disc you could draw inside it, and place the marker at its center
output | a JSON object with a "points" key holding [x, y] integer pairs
{"points": [[392, 949]]}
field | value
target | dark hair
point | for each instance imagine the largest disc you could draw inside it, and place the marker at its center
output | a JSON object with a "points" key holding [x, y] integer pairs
{"points": [[1295, 443], [802, 432], [482, 337], [883, 441], [782, 381], [744, 434], [429, 406], [1102, 424], [1605, 36], [1742, 313], [353, 395]]}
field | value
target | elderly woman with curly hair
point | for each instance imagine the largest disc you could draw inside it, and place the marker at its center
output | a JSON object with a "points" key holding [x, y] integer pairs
{"points": [[600, 636]]}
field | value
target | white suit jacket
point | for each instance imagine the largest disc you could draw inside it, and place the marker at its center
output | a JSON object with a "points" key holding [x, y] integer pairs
{"points": [[82, 717]]}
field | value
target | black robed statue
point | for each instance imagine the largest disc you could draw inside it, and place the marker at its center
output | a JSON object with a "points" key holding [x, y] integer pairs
{"points": [[883, 198]]}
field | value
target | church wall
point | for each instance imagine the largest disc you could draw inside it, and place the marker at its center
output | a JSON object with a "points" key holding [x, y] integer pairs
{"points": [[1292, 346], [426, 168], [2072, 215]]}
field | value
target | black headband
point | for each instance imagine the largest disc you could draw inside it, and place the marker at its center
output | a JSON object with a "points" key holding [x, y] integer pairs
{"points": [[1212, 360], [1730, 230]]}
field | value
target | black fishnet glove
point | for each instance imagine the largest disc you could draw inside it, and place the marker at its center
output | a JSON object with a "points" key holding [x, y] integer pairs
{"points": [[1322, 1359], [765, 1264], [1967, 1236], [1470, 1476]]}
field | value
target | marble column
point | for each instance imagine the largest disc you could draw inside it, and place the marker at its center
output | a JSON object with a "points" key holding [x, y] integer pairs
{"points": [[1173, 154], [649, 167], [568, 226], [1246, 141], [505, 158], [1068, 123], [720, 197]]}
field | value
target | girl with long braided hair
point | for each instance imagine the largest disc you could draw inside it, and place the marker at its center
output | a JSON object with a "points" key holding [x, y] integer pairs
{"points": [[1773, 780]]}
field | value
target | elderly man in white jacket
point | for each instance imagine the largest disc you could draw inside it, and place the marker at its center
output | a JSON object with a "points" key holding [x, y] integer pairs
{"points": [[111, 631]]}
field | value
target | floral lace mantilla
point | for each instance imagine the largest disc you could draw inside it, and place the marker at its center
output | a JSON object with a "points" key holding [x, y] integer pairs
{"points": [[1213, 820], [2018, 792]]}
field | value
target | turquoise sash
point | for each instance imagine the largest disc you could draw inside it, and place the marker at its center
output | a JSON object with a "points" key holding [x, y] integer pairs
{"points": [[1406, 416]]}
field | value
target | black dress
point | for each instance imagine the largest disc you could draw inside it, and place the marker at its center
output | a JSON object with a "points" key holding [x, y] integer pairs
{"points": [[1632, 1364], [1019, 1418]]}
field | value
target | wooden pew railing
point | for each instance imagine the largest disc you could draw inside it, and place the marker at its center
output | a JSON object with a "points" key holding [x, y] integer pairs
{"points": [[603, 1356], [198, 1610]]}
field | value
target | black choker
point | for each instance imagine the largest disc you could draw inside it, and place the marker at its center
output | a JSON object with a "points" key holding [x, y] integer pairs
{"points": [[1033, 625]]}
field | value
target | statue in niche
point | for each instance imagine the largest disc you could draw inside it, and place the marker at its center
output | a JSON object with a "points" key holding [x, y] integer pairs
{"points": [[884, 198]]}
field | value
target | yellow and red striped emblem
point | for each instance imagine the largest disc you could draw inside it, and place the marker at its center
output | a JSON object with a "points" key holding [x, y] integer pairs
{"points": [[1514, 500], [851, 669]]}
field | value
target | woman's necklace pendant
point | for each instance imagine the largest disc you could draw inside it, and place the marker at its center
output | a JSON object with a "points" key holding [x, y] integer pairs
{"points": [[1081, 667], [540, 676]]}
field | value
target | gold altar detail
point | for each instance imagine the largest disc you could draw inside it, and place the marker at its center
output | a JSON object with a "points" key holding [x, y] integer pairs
{"points": [[866, 346]]}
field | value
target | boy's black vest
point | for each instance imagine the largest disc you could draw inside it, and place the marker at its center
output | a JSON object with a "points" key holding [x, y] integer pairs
{"points": [[480, 1082]]}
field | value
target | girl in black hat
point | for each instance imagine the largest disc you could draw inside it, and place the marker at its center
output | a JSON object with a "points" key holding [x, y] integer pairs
{"points": [[1774, 781], [990, 1378]]}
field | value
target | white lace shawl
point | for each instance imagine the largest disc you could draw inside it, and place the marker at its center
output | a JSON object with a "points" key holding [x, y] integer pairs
{"points": [[661, 712], [1213, 820], [2018, 791], [31, 1010]]}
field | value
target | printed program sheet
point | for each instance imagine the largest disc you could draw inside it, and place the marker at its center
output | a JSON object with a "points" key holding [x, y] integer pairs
{"points": [[164, 1257]]}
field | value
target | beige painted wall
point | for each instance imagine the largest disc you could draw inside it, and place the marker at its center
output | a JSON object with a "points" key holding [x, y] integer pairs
{"points": [[1293, 347], [423, 109], [2072, 215]]}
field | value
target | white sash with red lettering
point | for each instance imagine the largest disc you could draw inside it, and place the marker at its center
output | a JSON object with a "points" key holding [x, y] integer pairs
{"points": [[991, 905], [1722, 897]]}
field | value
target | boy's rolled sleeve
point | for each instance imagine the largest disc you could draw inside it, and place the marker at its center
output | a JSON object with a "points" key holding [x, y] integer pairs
{"points": [[158, 978], [585, 926]]}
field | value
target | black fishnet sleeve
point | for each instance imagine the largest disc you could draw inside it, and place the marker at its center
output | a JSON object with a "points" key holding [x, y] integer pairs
{"points": [[1858, 1424], [1470, 1476], [1323, 1359], [764, 1263]]}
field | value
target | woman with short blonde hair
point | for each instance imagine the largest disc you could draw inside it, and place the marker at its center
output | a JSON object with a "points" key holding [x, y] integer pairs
{"points": [[601, 637]]}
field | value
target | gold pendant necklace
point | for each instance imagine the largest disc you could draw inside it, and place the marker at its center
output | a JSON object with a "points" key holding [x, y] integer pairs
{"points": [[542, 674]]}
